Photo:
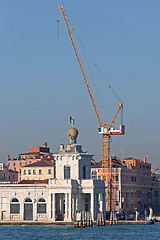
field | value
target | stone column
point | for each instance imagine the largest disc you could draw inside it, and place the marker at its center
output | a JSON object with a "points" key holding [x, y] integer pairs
{"points": [[73, 205], [70, 207], [92, 205], [22, 211], [53, 207], [101, 202], [49, 206], [34, 210], [66, 207]]}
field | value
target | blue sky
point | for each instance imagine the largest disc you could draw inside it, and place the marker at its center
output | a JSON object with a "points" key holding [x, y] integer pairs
{"points": [[41, 84]]}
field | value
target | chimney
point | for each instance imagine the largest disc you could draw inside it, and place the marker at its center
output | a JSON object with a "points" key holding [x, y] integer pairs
{"points": [[45, 144], [144, 160], [61, 147]]}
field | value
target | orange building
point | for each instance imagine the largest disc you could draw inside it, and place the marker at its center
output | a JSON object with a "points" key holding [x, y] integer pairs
{"points": [[131, 185], [35, 154]]}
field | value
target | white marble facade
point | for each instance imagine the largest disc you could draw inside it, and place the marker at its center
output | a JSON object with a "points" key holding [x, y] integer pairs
{"points": [[73, 189]]}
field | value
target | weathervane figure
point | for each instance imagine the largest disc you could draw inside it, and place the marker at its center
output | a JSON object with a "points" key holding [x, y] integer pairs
{"points": [[72, 121]]}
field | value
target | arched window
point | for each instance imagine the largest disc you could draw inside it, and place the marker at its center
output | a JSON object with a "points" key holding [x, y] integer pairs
{"points": [[41, 206], [14, 206], [15, 200], [28, 200], [94, 175]]}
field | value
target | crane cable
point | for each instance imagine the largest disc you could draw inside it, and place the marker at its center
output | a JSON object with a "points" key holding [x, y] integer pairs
{"points": [[94, 82], [99, 70]]}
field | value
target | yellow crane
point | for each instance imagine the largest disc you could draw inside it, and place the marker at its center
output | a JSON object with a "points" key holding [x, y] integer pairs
{"points": [[105, 128]]}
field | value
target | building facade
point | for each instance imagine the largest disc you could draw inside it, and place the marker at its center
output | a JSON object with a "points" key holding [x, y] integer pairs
{"points": [[7, 175], [36, 154], [130, 184], [55, 199], [40, 170]]}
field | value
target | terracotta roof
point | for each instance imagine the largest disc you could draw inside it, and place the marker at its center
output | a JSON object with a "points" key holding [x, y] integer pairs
{"points": [[11, 170], [33, 153], [114, 164], [129, 158], [118, 165], [33, 181], [42, 163], [97, 165]]}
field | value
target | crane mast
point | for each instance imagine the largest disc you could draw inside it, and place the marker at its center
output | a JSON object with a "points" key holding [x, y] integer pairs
{"points": [[105, 128]]}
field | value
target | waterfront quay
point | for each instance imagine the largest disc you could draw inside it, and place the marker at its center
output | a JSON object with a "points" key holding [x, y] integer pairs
{"points": [[62, 223]]}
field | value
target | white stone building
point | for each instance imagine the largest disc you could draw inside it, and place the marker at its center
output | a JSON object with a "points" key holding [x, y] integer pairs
{"points": [[55, 199]]}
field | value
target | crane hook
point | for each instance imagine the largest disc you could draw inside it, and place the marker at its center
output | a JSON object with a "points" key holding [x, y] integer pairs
{"points": [[57, 21]]}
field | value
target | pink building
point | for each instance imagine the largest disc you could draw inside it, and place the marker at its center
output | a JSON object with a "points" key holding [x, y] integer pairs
{"points": [[7, 175], [130, 184]]}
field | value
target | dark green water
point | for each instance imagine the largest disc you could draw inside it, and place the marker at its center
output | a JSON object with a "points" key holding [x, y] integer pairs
{"points": [[138, 232]]}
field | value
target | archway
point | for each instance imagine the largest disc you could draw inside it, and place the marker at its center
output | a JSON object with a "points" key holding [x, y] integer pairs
{"points": [[28, 209]]}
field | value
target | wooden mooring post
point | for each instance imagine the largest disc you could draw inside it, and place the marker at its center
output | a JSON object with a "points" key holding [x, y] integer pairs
{"points": [[82, 219], [100, 219]]}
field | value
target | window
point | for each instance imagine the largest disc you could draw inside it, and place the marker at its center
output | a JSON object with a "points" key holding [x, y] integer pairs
{"points": [[127, 196], [25, 163], [20, 171], [40, 171], [116, 178], [156, 194], [84, 172], [66, 172], [14, 164], [131, 194], [99, 177], [149, 195], [20, 164], [28, 200], [94, 175], [139, 194], [29, 172], [14, 206], [24, 172], [30, 161], [34, 172], [49, 171], [41, 206]]}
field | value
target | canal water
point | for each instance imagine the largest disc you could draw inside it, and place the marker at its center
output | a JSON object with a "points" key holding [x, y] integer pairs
{"points": [[117, 232]]}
